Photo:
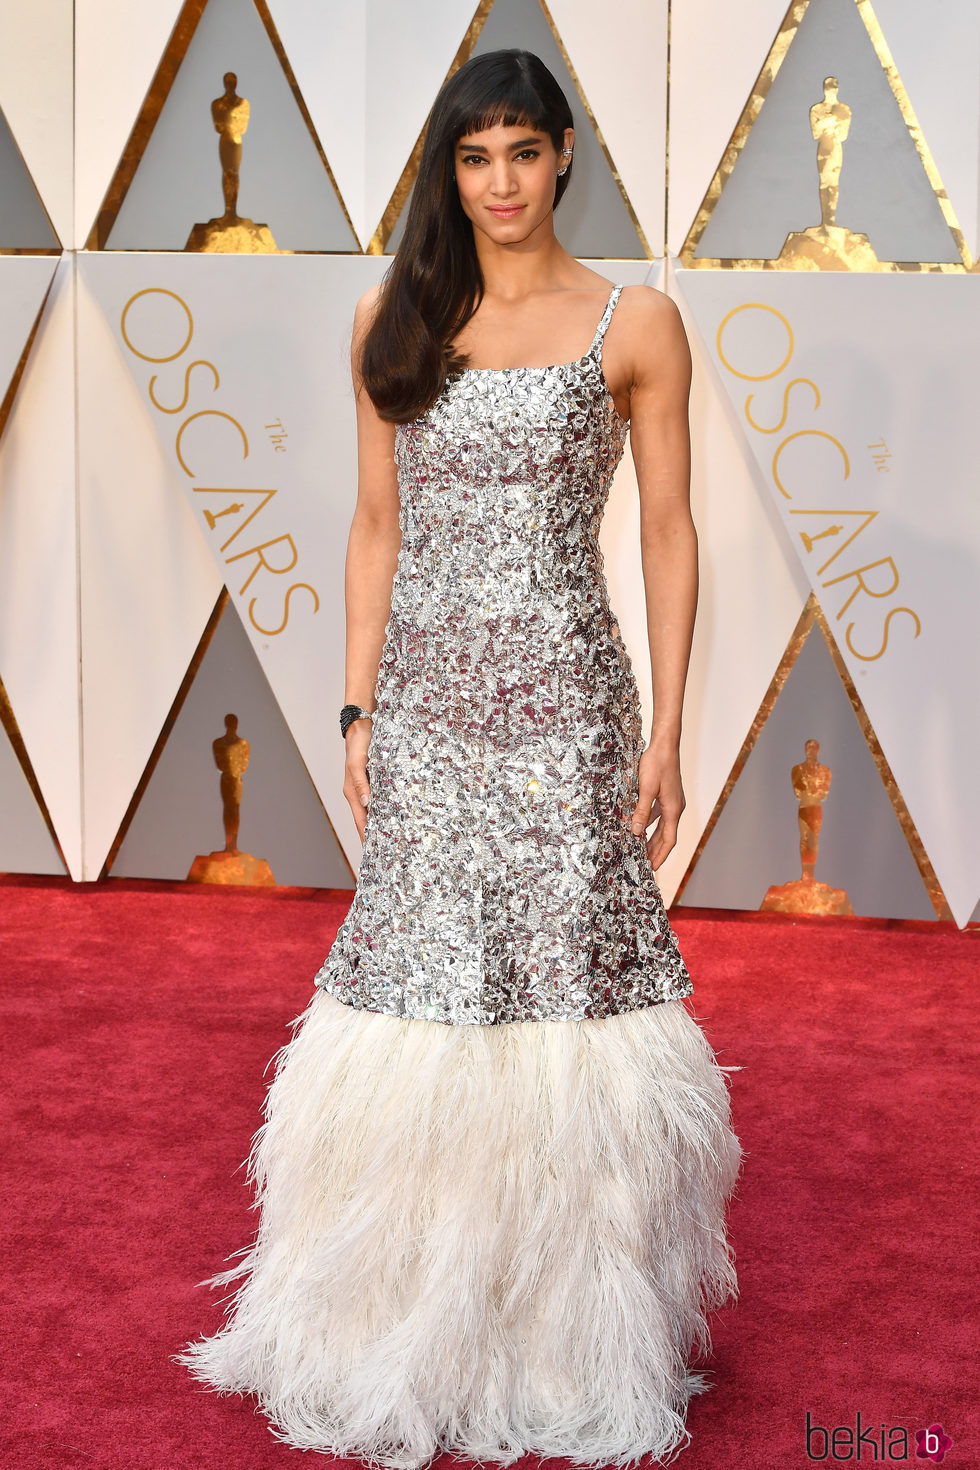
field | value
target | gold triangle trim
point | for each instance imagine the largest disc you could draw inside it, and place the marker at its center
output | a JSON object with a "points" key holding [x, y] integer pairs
{"points": [[193, 669], [9, 722], [7, 402], [813, 616], [379, 240], [770, 68], [55, 249], [159, 90]]}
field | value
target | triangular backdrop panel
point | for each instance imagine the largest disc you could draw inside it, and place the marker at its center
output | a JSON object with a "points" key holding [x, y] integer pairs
{"points": [[24, 224], [24, 283], [885, 192], [25, 842], [891, 356], [942, 77], [284, 184], [327, 50], [592, 221], [117, 47], [274, 521], [38, 563], [148, 581], [738, 639], [179, 816], [715, 52], [36, 94], [755, 842], [410, 48], [626, 86]]}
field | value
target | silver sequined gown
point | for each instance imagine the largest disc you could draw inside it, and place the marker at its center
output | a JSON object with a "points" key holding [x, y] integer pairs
{"points": [[500, 880], [497, 1152]]}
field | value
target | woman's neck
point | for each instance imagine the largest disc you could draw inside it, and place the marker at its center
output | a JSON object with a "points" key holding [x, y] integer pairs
{"points": [[511, 272]]}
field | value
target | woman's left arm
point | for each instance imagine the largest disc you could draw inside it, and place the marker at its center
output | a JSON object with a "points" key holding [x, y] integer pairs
{"points": [[655, 346]]}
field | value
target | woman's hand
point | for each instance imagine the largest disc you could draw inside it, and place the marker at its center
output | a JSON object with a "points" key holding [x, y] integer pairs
{"points": [[357, 788], [661, 800]]}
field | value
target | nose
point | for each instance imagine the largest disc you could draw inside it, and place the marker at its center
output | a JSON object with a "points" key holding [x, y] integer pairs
{"points": [[502, 179]]}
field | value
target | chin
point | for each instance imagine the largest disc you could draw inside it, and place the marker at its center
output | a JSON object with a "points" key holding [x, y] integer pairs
{"points": [[511, 231]]}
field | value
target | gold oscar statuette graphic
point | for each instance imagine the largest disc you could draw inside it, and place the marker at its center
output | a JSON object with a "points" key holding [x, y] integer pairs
{"points": [[811, 786], [231, 755], [230, 234], [828, 246]]}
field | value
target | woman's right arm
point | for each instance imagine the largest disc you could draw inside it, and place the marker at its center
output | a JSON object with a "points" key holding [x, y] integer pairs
{"points": [[372, 555]]}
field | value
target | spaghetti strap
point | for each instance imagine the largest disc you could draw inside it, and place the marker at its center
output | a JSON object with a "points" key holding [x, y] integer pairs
{"points": [[604, 321]]}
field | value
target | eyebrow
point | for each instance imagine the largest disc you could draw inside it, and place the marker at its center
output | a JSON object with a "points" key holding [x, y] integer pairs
{"points": [[478, 147]]}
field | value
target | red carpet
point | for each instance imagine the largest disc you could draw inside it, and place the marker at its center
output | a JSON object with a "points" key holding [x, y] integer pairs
{"points": [[139, 1022]]}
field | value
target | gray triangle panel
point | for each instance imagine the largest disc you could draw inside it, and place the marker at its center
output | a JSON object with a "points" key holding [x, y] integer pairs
{"points": [[283, 183], [282, 818], [24, 224], [592, 220], [774, 186], [25, 842], [862, 848]]}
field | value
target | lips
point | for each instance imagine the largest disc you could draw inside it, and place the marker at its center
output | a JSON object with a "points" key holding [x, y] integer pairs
{"points": [[505, 211]]}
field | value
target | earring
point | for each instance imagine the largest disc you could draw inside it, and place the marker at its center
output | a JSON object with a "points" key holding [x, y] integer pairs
{"points": [[566, 153]]}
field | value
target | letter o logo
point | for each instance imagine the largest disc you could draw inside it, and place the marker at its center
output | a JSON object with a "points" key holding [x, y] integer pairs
{"points": [[755, 306], [157, 291]]}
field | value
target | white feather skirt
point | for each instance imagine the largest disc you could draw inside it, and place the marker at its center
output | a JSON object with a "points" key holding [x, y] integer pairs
{"points": [[491, 1240]]}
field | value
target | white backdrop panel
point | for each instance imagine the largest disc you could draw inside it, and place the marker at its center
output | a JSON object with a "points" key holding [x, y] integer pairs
{"points": [[148, 581], [269, 409], [36, 94], [880, 422], [38, 596], [117, 48]]}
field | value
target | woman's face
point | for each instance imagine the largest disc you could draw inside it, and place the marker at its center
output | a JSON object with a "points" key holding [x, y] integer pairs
{"points": [[506, 180]]}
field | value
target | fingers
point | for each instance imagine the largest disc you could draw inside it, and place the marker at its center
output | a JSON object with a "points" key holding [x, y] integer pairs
{"points": [[357, 790], [666, 813], [646, 811], [663, 842]]}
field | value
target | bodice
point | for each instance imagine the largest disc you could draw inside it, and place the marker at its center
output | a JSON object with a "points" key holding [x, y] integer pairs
{"points": [[502, 484]]}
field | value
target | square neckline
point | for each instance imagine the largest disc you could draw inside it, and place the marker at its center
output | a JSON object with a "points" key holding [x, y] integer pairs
{"points": [[550, 367], [553, 367]]}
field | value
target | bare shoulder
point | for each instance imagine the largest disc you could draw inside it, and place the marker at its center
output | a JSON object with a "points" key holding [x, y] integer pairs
{"points": [[370, 299], [366, 306], [651, 333], [364, 313], [644, 309]]}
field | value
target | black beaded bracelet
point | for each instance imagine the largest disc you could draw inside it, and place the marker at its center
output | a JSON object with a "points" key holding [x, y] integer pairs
{"points": [[349, 714]]}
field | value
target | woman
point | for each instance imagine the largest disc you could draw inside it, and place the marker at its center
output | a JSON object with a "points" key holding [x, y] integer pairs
{"points": [[498, 1149]]}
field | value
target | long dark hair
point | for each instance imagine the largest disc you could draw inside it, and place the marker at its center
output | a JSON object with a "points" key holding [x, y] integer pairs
{"points": [[434, 284]]}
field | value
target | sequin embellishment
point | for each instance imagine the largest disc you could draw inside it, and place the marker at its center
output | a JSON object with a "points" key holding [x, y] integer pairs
{"points": [[499, 878]]}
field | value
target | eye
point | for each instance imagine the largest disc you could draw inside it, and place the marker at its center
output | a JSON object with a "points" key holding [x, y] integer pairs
{"points": [[528, 153], [472, 158]]}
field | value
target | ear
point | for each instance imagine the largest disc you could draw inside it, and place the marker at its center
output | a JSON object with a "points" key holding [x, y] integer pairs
{"points": [[569, 138]]}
